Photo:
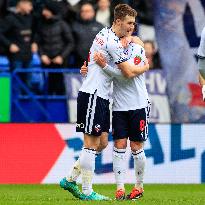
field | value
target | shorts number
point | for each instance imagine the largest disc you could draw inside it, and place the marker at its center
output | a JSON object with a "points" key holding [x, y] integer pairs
{"points": [[142, 125]]}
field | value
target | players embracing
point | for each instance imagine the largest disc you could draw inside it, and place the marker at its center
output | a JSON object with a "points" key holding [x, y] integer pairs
{"points": [[124, 63]]}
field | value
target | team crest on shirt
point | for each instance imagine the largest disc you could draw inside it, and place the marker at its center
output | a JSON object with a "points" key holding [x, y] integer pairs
{"points": [[137, 60], [126, 51], [97, 128]]}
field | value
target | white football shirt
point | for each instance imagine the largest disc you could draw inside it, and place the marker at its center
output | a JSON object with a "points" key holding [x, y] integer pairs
{"points": [[130, 94], [201, 49], [97, 80]]}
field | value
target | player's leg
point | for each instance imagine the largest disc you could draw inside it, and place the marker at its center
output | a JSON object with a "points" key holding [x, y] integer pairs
{"points": [[139, 167], [76, 169], [87, 162], [103, 142], [91, 117], [202, 83], [69, 183], [120, 127], [138, 134], [119, 167], [96, 124]]}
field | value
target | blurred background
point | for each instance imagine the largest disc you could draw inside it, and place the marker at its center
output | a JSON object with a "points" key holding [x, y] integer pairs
{"points": [[43, 44]]}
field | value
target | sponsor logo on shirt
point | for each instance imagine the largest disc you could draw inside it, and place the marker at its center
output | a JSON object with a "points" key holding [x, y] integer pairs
{"points": [[99, 41]]}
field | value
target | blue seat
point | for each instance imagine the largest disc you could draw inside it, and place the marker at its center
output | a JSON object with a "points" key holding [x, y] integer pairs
{"points": [[36, 61], [4, 62]]}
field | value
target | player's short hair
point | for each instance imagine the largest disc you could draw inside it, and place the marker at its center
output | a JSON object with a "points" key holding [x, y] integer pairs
{"points": [[123, 10]]}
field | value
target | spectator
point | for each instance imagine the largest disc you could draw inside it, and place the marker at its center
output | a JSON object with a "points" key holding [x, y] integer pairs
{"points": [[76, 4], [103, 12], [3, 8], [84, 31], [152, 55], [55, 42], [67, 12], [16, 36]]}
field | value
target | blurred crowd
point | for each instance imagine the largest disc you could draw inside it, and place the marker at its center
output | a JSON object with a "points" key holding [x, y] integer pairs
{"points": [[61, 32]]}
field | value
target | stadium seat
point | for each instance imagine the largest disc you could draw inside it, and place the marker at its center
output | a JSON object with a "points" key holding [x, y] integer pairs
{"points": [[36, 62], [4, 61]]}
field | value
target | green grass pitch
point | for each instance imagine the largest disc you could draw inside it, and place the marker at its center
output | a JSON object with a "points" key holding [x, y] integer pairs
{"points": [[54, 195]]}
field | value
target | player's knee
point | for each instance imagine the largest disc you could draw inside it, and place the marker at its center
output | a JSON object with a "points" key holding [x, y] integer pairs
{"points": [[103, 141], [135, 146], [121, 143], [103, 144], [91, 141]]}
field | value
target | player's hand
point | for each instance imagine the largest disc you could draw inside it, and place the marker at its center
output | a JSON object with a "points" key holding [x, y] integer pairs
{"points": [[84, 69], [45, 60], [137, 40], [146, 64], [58, 60], [14, 48], [100, 59]]}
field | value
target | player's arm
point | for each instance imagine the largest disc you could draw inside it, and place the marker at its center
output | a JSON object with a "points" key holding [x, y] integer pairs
{"points": [[101, 61], [127, 69], [131, 71]]}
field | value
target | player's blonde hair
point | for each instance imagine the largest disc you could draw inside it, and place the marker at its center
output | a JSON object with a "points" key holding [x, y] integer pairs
{"points": [[123, 10]]}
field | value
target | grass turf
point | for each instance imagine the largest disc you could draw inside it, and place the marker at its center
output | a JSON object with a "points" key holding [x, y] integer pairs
{"points": [[54, 195]]}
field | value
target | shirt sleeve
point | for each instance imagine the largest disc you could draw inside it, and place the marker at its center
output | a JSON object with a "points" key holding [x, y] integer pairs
{"points": [[112, 71]]}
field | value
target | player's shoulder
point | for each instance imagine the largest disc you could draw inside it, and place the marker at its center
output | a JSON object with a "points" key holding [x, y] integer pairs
{"points": [[114, 41], [138, 41], [136, 49], [100, 38], [103, 32]]}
